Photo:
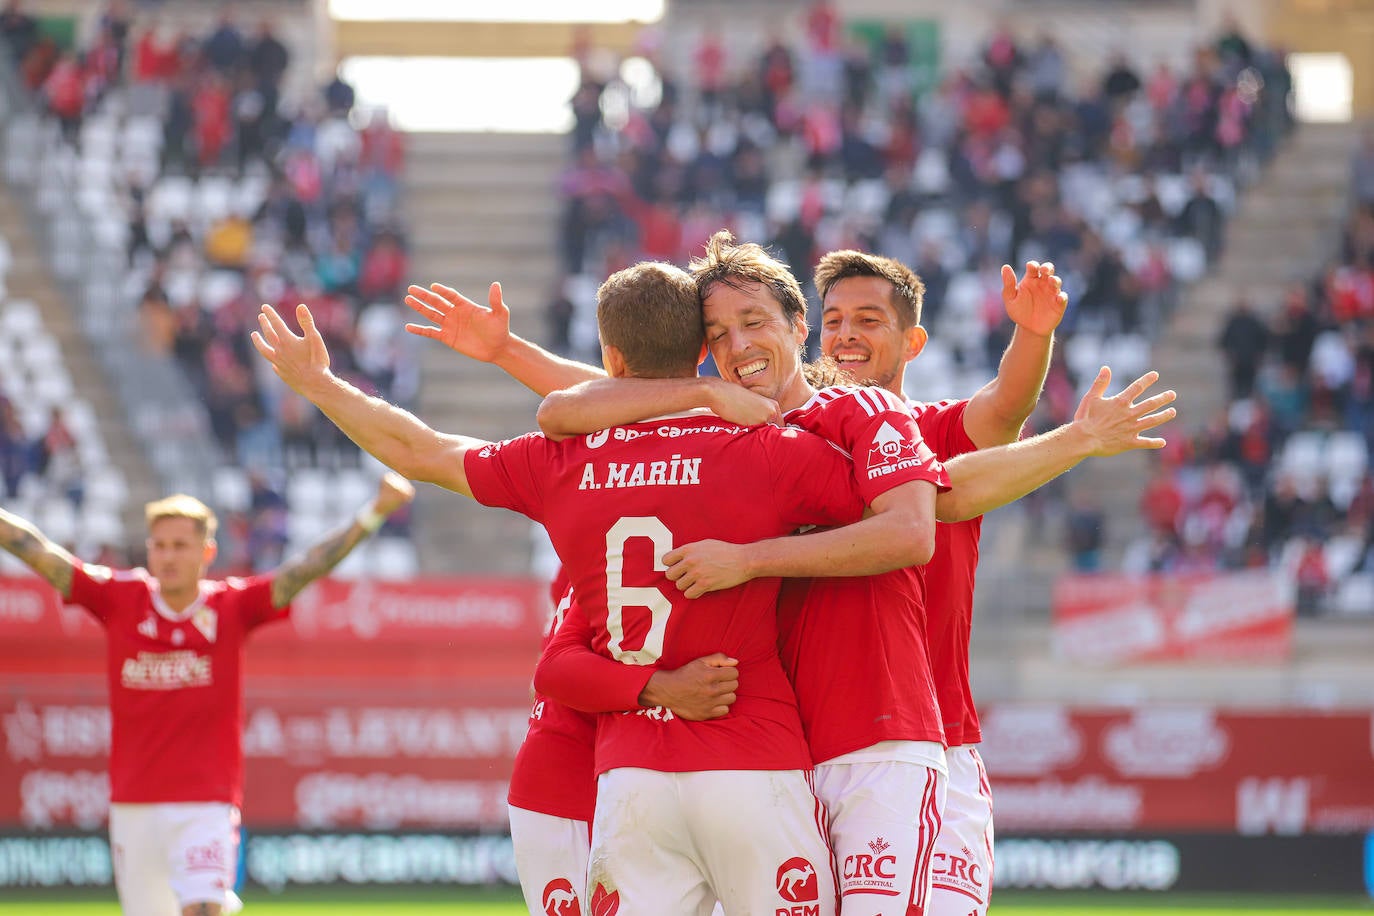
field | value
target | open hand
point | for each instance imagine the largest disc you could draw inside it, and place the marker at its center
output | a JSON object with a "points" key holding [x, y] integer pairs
{"points": [[300, 361], [1116, 424], [1037, 303], [463, 325]]}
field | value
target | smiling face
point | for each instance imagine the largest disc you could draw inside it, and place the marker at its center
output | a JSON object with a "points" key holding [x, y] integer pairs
{"points": [[861, 330], [753, 343]]}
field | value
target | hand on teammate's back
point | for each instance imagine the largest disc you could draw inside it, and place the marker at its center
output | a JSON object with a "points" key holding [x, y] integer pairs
{"points": [[1117, 424], [707, 566], [463, 325], [299, 361], [699, 690], [1035, 304], [740, 405]]}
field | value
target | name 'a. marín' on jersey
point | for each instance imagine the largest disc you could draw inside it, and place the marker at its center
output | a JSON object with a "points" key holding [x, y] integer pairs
{"points": [[676, 472]]}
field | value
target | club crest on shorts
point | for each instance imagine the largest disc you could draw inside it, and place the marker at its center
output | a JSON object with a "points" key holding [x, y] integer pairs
{"points": [[797, 881], [560, 899], [604, 902]]}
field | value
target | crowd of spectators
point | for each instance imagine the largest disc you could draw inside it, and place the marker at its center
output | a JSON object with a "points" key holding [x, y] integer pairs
{"points": [[238, 194], [1123, 182], [1280, 479]]}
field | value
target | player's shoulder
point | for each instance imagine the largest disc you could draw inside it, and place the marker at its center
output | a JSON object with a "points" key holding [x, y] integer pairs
{"points": [[106, 575], [868, 399]]}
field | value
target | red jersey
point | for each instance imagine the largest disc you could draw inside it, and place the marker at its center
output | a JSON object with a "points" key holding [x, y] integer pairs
{"points": [[855, 648], [176, 691], [614, 502], [553, 771], [948, 581]]}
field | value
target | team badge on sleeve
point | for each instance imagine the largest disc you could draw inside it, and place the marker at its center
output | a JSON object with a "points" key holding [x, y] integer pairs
{"points": [[891, 452]]}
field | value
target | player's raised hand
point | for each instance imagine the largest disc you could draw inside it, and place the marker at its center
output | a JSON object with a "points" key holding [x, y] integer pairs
{"points": [[1117, 424], [462, 325], [740, 405], [699, 690], [300, 361], [393, 492], [1037, 302], [707, 566]]}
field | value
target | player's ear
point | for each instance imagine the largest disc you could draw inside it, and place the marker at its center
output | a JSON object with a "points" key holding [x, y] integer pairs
{"points": [[916, 338], [613, 360], [210, 552], [799, 329], [701, 357]]}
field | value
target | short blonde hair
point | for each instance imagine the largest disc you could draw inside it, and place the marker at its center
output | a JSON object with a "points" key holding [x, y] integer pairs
{"points": [[180, 505]]}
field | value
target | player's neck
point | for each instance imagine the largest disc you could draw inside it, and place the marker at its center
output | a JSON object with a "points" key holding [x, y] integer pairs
{"points": [[180, 599], [797, 393]]}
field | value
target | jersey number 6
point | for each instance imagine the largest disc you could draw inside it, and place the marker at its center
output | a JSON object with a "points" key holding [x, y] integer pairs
{"points": [[619, 595]]}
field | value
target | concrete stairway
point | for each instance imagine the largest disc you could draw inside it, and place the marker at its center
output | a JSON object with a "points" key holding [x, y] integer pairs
{"points": [[29, 278], [1285, 228], [480, 208]]}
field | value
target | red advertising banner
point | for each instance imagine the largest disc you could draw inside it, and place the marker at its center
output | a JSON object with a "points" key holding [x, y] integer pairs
{"points": [[1180, 768], [376, 705], [342, 762], [477, 609], [1111, 619]]}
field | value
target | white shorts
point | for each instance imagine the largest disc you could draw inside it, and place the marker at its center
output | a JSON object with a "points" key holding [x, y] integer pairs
{"points": [[884, 817], [963, 850], [168, 856], [671, 844], [551, 858]]}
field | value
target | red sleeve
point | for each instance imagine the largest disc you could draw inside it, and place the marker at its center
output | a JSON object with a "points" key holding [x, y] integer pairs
{"points": [[880, 434], [813, 481], [942, 426], [574, 674], [510, 474], [101, 590], [255, 601]]}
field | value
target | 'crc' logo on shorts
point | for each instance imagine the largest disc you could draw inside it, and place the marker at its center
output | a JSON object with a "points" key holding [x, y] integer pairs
{"points": [[560, 899], [797, 881]]}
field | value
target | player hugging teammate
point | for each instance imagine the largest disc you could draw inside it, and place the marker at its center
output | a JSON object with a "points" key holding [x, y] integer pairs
{"points": [[782, 722]]}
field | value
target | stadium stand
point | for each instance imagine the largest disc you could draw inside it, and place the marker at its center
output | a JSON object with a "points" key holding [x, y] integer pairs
{"points": [[1280, 478], [204, 190], [1125, 180]]}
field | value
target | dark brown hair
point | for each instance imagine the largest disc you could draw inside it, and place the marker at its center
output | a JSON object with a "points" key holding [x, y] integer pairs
{"points": [[908, 291]]}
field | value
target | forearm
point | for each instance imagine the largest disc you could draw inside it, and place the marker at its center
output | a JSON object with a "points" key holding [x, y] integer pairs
{"points": [[606, 402], [984, 480], [999, 409], [41, 555], [395, 437], [580, 678], [877, 544], [302, 569], [541, 371]]}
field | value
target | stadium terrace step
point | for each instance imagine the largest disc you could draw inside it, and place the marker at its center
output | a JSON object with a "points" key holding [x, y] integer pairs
{"points": [[550, 147], [481, 208]]}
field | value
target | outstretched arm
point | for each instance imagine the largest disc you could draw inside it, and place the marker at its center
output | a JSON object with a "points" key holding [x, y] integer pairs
{"points": [[996, 413], [484, 335], [607, 402], [41, 555], [899, 532], [1102, 426], [395, 437], [296, 573]]}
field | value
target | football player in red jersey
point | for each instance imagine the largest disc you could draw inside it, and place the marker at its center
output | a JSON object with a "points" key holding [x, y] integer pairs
{"points": [[174, 654]]}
